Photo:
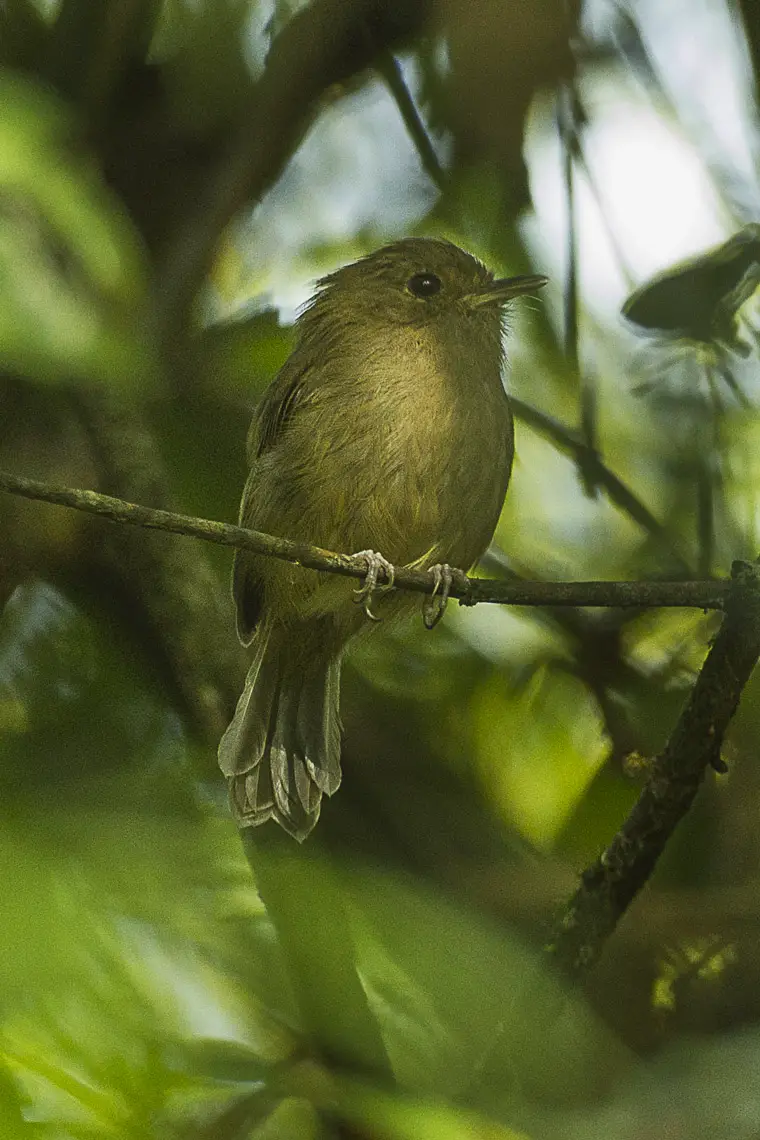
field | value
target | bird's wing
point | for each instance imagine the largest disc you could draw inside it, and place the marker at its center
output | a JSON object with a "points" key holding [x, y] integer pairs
{"points": [[274, 410], [270, 420]]}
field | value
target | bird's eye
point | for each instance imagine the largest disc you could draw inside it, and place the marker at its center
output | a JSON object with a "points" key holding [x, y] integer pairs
{"points": [[424, 285]]}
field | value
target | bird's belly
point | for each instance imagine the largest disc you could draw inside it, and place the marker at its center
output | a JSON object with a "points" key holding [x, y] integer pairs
{"points": [[428, 492], [419, 489]]}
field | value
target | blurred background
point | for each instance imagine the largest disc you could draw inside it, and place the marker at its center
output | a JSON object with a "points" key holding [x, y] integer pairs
{"points": [[174, 175]]}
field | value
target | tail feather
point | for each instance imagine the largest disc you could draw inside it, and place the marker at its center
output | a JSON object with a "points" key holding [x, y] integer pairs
{"points": [[318, 727], [246, 736], [281, 752], [294, 790]]}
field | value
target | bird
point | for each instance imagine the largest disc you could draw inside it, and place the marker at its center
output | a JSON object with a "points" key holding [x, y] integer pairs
{"points": [[387, 433]]}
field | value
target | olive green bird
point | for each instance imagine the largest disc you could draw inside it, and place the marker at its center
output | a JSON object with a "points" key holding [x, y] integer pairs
{"points": [[387, 430]]}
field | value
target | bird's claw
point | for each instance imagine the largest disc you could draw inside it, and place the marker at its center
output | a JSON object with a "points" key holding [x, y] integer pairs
{"points": [[434, 605], [375, 565]]}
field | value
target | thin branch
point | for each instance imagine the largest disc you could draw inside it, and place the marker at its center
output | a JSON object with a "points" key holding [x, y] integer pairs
{"points": [[610, 884], [590, 462], [567, 105], [709, 595], [389, 68], [569, 119]]}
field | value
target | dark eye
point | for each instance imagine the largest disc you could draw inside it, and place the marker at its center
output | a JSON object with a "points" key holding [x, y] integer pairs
{"points": [[424, 285]]}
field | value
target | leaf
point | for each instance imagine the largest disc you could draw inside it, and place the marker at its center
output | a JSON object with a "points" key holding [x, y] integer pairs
{"points": [[218, 1059], [23, 34], [236, 1120], [72, 278], [236, 354], [13, 1126], [699, 299], [389, 1117], [499, 1023]]}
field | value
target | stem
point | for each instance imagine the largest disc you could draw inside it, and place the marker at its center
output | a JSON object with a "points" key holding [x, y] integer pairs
{"points": [[689, 594], [611, 883]]}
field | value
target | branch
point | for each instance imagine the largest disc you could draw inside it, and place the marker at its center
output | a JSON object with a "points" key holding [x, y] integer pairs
{"points": [[388, 66], [708, 595], [595, 471], [322, 46], [183, 605], [613, 881]]}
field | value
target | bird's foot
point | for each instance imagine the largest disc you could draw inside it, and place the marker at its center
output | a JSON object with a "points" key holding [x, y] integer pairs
{"points": [[376, 565], [444, 577]]}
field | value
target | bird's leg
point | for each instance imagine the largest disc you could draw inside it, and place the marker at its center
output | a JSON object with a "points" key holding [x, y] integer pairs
{"points": [[444, 577], [375, 565]]}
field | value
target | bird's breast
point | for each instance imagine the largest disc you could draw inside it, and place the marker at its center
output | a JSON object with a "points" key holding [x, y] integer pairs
{"points": [[435, 443]]}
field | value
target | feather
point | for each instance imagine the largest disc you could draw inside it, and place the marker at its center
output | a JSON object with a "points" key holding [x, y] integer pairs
{"points": [[281, 752]]}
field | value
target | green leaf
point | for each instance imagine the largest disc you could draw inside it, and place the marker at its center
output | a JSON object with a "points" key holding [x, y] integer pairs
{"points": [[72, 274], [218, 1059], [23, 34], [499, 1023], [13, 1126], [389, 1117], [240, 357]]}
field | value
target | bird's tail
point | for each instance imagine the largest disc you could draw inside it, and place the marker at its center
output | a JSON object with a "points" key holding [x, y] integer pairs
{"points": [[281, 752]]}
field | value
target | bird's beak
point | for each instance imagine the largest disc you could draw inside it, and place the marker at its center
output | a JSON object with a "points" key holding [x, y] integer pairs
{"points": [[505, 288]]}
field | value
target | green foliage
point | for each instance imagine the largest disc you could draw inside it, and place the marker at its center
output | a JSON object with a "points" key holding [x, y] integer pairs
{"points": [[72, 274]]}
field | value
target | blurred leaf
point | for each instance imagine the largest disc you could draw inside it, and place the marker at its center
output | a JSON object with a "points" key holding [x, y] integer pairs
{"points": [[92, 45], [72, 278], [490, 1006], [700, 298], [220, 1060], [237, 1119], [68, 1092], [538, 748], [208, 48], [669, 644], [23, 34], [59, 670], [13, 1126], [399, 1117], [295, 1118], [233, 356], [106, 1027]]}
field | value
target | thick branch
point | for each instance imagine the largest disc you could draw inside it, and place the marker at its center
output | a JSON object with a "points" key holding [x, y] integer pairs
{"points": [[181, 602], [700, 595], [325, 44], [612, 882]]}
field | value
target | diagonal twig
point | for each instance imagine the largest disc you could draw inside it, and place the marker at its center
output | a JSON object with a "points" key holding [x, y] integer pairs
{"points": [[610, 884], [589, 461], [390, 69]]}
